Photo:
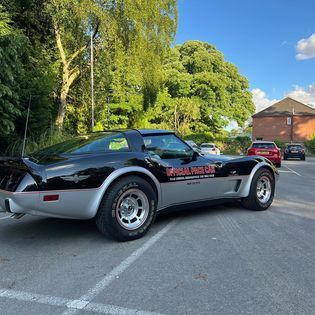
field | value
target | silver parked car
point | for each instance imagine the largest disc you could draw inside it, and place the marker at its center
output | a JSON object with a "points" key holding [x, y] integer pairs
{"points": [[209, 148]]}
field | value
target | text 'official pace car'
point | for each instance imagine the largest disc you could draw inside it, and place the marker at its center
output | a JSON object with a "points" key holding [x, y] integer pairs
{"points": [[123, 178]]}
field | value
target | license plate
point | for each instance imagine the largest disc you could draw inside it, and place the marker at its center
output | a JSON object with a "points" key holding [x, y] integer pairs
{"points": [[263, 152], [294, 151]]}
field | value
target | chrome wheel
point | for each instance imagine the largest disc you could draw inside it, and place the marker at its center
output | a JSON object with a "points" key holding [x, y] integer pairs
{"points": [[132, 209], [263, 189]]}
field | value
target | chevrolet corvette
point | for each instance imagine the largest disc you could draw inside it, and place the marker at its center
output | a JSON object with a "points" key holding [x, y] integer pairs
{"points": [[123, 178]]}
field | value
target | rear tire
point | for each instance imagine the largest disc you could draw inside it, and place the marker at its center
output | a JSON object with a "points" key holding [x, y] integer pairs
{"points": [[127, 210], [261, 192], [303, 158], [285, 157]]}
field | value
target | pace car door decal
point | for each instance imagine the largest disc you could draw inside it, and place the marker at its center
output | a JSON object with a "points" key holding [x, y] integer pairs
{"points": [[193, 172]]}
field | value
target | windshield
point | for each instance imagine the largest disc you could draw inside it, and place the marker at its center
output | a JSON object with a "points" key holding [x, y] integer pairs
{"points": [[97, 142]]}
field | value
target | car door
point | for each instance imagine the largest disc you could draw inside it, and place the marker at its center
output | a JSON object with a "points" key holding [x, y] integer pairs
{"points": [[185, 176]]}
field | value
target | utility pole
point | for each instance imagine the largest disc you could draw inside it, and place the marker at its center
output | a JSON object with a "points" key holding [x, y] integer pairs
{"points": [[92, 80], [26, 125], [108, 112]]}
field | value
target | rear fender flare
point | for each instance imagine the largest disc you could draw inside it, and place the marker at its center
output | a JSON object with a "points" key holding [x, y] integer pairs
{"points": [[132, 170]]}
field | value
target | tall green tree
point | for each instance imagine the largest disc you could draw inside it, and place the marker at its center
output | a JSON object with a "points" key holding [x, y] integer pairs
{"points": [[197, 69], [36, 75], [142, 29]]}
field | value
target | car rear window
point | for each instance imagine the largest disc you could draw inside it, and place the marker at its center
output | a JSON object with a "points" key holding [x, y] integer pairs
{"points": [[207, 146], [263, 145], [97, 142], [295, 147]]}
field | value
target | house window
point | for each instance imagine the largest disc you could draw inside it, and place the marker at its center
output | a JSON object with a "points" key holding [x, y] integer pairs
{"points": [[289, 120]]}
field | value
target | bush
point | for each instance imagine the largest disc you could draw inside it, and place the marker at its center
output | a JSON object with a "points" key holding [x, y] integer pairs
{"points": [[280, 144], [237, 145], [199, 138], [310, 145], [34, 143]]}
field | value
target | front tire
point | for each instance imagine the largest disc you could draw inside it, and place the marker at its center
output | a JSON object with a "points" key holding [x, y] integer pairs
{"points": [[127, 210], [261, 192]]}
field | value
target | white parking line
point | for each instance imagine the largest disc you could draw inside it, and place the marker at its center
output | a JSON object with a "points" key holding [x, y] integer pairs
{"points": [[75, 304], [109, 278], [8, 217], [293, 171]]}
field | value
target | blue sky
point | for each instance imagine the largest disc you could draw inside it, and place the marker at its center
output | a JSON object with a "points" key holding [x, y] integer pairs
{"points": [[260, 37]]}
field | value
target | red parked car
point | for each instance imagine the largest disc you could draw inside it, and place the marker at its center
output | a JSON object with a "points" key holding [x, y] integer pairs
{"points": [[267, 149]]}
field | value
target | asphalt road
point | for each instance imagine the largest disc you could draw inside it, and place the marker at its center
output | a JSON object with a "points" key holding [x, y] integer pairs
{"points": [[219, 260]]}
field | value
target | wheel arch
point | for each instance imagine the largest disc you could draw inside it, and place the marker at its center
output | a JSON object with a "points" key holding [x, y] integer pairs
{"points": [[262, 165], [122, 173]]}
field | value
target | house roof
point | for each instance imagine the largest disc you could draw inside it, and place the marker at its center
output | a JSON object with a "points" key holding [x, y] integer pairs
{"points": [[287, 107]]}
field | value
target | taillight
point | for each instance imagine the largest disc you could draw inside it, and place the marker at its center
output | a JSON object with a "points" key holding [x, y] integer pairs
{"points": [[286, 151], [51, 198], [302, 151]]}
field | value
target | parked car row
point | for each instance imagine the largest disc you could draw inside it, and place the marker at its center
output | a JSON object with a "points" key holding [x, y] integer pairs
{"points": [[270, 150], [267, 149]]}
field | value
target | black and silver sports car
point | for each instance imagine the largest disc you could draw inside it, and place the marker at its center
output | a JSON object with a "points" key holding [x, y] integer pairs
{"points": [[123, 178]]}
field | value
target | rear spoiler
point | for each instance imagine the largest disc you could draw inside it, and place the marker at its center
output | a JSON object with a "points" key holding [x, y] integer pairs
{"points": [[13, 162], [25, 165]]}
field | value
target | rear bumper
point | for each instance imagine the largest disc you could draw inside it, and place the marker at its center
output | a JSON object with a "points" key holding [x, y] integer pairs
{"points": [[294, 155], [17, 202], [70, 204], [274, 159]]}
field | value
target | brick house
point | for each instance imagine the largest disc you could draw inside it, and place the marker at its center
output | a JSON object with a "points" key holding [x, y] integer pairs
{"points": [[288, 120]]}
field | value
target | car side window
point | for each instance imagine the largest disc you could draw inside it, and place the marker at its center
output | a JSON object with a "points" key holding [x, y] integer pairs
{"points": [[166, 147], [116, 142]]}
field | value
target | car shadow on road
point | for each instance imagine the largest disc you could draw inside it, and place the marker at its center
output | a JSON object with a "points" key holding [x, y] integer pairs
{"points": [[202, 211], [29, 229], [47, 230]]}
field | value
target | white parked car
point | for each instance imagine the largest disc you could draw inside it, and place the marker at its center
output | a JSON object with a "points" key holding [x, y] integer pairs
{"points": [[209, 148]]}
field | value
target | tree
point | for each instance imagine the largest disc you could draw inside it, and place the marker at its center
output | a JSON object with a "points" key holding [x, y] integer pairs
{"points": [[10, 44], [34, 71], [142, 29], [70, 21], [197, 69], [186, 113]]}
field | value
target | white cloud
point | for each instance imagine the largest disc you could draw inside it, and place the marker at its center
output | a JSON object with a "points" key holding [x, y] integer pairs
{"points": [[305, 48], [261, 100], [304, 95]]}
